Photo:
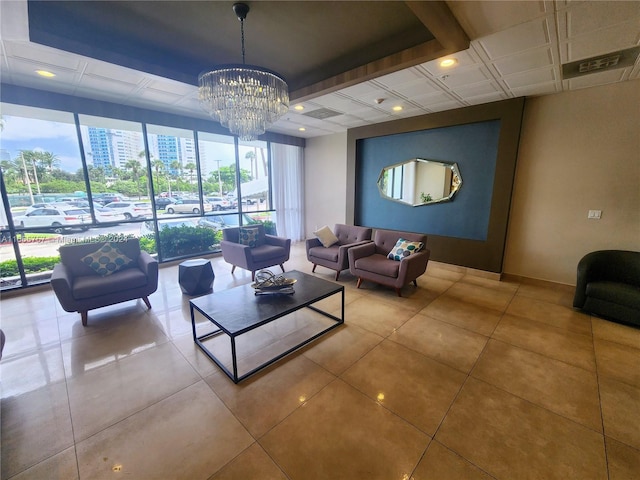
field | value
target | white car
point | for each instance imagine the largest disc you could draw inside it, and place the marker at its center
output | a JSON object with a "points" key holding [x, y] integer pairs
{"points": [[131, 209], [104, 215], [219, 203], [188, 206], [60, 218]]}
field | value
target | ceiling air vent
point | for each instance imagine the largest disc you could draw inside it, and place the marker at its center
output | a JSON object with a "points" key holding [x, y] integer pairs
{"points": [[322, 113], [609, 61]]}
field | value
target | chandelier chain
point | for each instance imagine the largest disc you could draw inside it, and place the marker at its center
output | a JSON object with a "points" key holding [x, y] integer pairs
{"points": [[242, 38]]}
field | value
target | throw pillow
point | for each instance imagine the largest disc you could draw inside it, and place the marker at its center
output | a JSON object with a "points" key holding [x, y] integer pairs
{"points": [[107, 259], [326, 236], [403, 248], [248, 236]]}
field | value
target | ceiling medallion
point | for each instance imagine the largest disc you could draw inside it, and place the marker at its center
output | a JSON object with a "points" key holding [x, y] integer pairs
{"points": [[246, 99]]}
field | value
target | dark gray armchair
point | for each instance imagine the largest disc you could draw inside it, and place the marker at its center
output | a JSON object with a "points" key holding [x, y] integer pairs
{"points": [[608, 284], [81, 288], [266, 251]]}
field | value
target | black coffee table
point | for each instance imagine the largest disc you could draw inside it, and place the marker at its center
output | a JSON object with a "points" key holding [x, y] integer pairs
{"points": [[238, 310]]}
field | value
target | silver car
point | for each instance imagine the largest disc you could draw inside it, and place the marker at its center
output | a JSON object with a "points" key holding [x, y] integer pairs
{"points": [[188, 206]]}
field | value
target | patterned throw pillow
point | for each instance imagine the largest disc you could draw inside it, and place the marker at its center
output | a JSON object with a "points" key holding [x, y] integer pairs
{"points": [[248, 236], [326, 236], [107, 259], [404, 248]]}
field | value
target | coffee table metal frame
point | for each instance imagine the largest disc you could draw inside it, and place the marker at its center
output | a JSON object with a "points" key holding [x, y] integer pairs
{"points": [[280, 311]]}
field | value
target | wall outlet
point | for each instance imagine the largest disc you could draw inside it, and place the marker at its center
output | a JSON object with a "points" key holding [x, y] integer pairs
{"points": [[595, 214]]}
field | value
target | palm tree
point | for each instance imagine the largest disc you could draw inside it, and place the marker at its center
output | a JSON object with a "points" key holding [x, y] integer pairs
{"points": [[252, 158], [191, 167], [136, 169]]}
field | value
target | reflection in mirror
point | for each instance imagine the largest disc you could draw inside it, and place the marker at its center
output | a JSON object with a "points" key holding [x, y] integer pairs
{"points": [[420, 182]]}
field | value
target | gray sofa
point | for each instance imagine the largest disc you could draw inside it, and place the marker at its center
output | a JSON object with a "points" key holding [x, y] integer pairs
{"points": [[80, 288], [608, 284], [335, 257], [370, 262]]}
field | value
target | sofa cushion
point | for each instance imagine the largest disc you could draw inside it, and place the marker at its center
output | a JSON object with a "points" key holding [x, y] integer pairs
{"points": [[326, 236], [107, 260], [615, 292], [403, 248], [264, 253], [90, 286], [248, 236], [323, 253], [378, 264]]}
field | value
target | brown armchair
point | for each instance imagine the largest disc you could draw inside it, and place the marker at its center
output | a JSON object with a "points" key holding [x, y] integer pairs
{"points": [[80, 287], [262, 250], [335, 257], [370, 262]]}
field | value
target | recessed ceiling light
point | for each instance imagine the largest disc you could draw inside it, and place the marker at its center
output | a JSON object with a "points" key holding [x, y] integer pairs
{"points": [[298, 107], [448, 62], [397, 108], [302, 129], [45, 73]]}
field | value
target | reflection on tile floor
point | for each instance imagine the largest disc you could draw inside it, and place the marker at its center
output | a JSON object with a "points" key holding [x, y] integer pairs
{"points": [[462, 377]]}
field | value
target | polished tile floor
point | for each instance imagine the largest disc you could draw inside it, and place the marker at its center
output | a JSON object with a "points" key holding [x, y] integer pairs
{"points": [[462, 378]]}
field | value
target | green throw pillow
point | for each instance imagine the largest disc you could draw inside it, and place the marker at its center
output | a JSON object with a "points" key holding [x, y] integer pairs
{"points": [[404, 248], [106, 260], [248, 236]]}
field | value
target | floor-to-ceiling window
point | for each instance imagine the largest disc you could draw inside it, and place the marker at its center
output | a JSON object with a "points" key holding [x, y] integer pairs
{"points": [[69, 177]]}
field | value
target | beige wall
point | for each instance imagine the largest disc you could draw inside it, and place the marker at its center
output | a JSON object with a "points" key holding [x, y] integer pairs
{"points": [[325, 172], [579, 151]]}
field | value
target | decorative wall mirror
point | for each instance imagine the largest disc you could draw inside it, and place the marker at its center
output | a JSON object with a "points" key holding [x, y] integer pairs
{"points": [[420, 182]]}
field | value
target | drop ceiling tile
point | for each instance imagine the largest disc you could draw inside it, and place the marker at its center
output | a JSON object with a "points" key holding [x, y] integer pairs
{"points": [[366, 90], [420, 87], [607, 40], [480, 19], [106, 84], [159, 96], [517, 39], [109, 70], [523, 62], [476, 89], [587, 17], [466, 76], [541, 75], [176, 88], [594, 79], [402, 77], [491, 97], [430, 99], [46, 56], [538, 89], [439, 107]]}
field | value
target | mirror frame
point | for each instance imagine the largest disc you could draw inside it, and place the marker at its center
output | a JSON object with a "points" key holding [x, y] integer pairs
{"points": [[452, 165]]}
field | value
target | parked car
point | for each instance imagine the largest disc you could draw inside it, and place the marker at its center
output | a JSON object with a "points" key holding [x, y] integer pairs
{"points": [[37, 206], [131, 209], [163, 202], [223, 221], [60, 218], [219, 203], [105, 198], [104, 215], [188, 206], [146, 228]]}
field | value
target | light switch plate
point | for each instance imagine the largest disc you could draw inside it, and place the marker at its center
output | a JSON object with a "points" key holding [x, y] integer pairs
{"points": [[595, 214]]}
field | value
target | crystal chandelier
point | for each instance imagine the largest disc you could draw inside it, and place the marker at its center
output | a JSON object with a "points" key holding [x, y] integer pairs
{"points": [[244, 98]]}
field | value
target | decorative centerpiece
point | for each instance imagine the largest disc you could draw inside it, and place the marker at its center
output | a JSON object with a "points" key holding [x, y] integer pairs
{"points": [[268, 283]]}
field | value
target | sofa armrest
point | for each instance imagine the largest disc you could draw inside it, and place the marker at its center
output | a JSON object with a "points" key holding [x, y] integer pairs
{"points": [[277, 241], [413, 266], [236, 253], [62, 284], [311, 243], [149, 267], [364, 250], [343, 250]]}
